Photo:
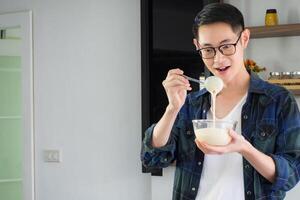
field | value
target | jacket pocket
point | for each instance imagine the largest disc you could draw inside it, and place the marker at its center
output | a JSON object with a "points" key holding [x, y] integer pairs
{"points": [[265, 136]]}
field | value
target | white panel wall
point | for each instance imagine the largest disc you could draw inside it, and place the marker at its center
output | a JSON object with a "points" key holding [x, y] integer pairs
{"points": [[277, 54], [87, 98]]}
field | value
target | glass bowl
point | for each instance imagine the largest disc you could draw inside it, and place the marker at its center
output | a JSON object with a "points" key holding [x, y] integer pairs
{"points": [[213, 132]]}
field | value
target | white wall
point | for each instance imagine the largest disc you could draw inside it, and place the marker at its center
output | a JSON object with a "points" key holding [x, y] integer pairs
{"points": [[87, 98], [277, 54]]}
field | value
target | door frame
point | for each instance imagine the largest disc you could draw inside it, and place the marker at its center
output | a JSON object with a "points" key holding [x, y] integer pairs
{"points": [[23, 19]]}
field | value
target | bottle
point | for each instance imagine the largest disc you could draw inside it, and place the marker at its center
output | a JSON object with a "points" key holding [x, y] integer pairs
{"points": [[271, 18]]}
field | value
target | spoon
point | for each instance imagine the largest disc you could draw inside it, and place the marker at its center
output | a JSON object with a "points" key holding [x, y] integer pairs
{"points": [[213, 84], [192, 79]]}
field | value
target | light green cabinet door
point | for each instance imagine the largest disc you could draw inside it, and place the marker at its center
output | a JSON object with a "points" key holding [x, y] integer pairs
{"points": [[10, 128]]}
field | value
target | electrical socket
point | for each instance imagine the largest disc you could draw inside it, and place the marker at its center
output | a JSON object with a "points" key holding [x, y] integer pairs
{"points": [[52, 156]]}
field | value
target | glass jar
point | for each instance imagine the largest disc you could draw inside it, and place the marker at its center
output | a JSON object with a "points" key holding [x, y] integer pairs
{"points": [[286, 75], [271, 18], [296, 75], [275, 75]]}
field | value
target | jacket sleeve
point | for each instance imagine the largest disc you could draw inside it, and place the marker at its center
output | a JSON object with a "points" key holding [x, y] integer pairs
{"points": [[159, 157], [287, 155]]}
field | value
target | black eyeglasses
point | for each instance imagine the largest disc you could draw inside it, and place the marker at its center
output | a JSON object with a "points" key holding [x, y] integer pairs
{"points": [[225, 49]]}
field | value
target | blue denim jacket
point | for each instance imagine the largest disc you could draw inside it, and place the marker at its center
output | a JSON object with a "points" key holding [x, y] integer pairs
{"points": [[270, 122]]}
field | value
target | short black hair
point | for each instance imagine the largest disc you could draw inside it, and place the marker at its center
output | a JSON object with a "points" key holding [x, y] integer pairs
{"points": [[219, 12]]}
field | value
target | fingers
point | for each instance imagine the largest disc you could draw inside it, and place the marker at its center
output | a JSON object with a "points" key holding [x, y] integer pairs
{"points": [[235, 145], [176, 76], [179, 77], [234, 135], [175, 79], [176, 83], [208, 149], [175, 71], [200, 145]]}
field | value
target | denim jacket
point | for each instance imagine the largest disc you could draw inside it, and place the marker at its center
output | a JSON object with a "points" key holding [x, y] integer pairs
{"points": [[270, 122]]}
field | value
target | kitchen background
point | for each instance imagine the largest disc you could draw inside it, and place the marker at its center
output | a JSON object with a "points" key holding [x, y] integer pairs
{"points": [[87, 94]]}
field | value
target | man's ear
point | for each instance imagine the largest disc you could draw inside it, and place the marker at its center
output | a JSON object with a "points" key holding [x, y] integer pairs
{"points": [[245, 38], [195, 41]]}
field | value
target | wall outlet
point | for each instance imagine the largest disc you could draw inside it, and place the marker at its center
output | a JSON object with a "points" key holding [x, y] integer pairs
{"points": [[52, 156]]}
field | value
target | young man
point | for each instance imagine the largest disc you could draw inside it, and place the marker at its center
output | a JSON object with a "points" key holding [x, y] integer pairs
{"points": [[262, 161]]}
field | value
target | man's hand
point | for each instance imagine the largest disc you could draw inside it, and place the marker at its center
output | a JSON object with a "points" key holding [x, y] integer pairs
{"points": [[237, 144], [176, 87], [263, 163]]}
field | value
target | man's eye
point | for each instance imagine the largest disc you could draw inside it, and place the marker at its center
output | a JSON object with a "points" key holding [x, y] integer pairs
{"points": [[226, 46], [208, 50]]}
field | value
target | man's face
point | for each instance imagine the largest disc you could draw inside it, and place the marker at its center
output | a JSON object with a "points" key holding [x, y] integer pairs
{"points": [[221, 37]]}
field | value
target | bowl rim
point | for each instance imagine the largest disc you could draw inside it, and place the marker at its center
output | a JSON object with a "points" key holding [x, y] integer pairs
{"points": [[211, 120], [233, 122]]}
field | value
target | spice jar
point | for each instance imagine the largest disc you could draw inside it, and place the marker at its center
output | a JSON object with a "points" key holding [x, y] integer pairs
{"points": [[271, 18], [286, 75], [296, 75], [275, 75]]}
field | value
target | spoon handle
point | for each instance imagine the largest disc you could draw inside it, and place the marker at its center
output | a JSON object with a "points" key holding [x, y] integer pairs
{"points": [[192, 79]]}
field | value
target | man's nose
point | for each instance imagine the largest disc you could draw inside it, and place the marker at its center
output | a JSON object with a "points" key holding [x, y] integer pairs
{"points": [[218, 57]]}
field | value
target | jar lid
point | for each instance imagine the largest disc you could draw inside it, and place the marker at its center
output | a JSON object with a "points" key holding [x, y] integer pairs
{"points": [[271, 11], [296, 73], [274, 73]]}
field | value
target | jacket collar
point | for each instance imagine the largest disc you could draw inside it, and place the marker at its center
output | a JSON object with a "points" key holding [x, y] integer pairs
{"points": [[260, 86], [256, 84]]}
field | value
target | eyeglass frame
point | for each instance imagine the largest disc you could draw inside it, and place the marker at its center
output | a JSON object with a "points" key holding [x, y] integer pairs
{"points": [[219, 48]]}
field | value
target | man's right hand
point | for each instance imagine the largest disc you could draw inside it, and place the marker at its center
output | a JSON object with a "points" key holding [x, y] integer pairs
{"points": [[176, 87]]}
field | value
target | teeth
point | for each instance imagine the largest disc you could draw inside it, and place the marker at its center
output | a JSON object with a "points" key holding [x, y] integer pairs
{"points": [[221, 68]]}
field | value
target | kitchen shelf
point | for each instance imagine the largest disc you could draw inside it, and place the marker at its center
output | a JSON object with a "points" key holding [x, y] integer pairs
{"points": [[291, 84], [275, 31]]}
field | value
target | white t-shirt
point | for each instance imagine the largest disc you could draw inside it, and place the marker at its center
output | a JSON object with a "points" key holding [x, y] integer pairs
{"points": [[222, 175]]}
